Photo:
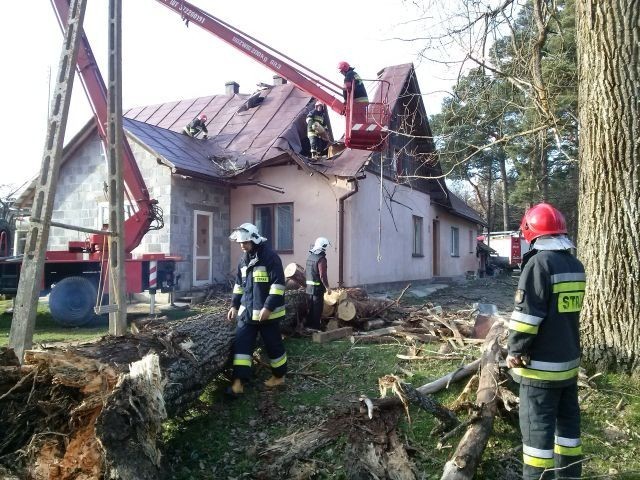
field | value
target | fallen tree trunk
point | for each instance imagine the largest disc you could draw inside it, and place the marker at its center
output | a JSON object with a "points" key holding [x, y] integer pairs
{"points": [[294, 274], [466, 458], [96, 410]]}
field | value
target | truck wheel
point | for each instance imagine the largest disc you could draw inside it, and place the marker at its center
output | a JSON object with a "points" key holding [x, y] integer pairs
{"points": [[71, 301]]}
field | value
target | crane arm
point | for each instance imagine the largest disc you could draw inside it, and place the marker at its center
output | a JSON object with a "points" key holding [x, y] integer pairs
{"points": [[307, 80], [139, 223]]}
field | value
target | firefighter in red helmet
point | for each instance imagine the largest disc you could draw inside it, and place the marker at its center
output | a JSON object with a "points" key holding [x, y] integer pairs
{"points": [[544, 347], [352, 81], [196, 126]]}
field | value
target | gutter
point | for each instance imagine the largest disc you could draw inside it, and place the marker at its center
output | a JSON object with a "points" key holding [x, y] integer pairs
{"points": [[341, 201]]}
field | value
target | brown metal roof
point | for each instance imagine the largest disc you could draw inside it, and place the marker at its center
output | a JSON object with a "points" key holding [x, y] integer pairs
{"points": [[239, 137]]}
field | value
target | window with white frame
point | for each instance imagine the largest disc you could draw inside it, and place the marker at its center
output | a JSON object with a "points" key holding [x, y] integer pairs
{"points": [[455, 242], [275, 221], [418, 236], [102, 220], [471, 242]]}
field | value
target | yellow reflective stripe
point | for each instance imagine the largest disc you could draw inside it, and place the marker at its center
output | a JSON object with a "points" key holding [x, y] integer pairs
{"points": [[543, 375], [570, 302], [569, 287], [537, 462], [242, 362], [568, 451], [277, 313], [278, 362], [276, 289], [523, 327], [237, 289]]}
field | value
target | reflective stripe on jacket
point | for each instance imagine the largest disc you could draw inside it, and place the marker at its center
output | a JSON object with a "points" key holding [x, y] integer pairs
{"points": [[259, 284], [312, 273], [544, 325]]}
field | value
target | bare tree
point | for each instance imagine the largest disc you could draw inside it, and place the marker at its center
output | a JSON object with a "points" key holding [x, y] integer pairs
{"points": [[609, 227]]}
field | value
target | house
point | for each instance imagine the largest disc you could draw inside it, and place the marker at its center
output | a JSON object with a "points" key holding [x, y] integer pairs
{"points": [[403, 225]]}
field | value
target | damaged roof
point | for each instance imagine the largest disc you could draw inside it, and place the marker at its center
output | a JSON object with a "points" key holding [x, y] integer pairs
{"points": [[240, 137]]}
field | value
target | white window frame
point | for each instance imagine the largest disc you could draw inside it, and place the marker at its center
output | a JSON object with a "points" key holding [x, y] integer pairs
{"points": [[455, 242]]}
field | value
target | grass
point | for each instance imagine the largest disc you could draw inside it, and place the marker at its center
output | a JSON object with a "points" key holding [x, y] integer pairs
{"points": [[222, 438], [48, 331]]}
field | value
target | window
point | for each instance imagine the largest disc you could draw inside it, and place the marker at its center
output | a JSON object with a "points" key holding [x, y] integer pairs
{"points": [[455, 242], [275, 221], [417, 237], [471, 242]]}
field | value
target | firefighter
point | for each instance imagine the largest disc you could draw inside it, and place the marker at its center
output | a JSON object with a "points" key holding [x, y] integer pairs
{"points": [[317, 130], [352, 80], [258, 305], [544, 347], [317, 283], [197, 125]]}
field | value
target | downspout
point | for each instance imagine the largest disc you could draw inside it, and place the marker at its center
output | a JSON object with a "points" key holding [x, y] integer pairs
{"points": [[341, 232]]}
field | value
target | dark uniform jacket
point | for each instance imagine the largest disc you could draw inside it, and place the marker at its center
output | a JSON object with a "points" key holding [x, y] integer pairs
{"points": [[259, 284], [544, 323], [359, 92], [312, 272], [312, 117], [197, 125]]}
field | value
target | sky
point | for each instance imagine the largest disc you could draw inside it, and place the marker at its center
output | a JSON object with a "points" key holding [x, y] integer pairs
{"points": [[164, 61]]}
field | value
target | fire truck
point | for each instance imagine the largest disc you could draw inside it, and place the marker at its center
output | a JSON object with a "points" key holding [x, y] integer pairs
{"points": [[74, 276]]}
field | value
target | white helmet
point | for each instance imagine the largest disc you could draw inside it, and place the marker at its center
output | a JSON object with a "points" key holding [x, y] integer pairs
{"points": [[245, 233], [320, 245]]}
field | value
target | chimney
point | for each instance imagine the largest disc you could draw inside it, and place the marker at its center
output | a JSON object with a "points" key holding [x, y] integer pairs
{"points": [[231, 88], [278, 80]]}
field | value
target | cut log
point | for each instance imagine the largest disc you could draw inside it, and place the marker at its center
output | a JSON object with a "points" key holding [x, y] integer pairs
{"points": [[466, 458], [324, 337], [96, 410], [328, 310], [336, 296], [295, 273], [295, 312], [346, 311]]}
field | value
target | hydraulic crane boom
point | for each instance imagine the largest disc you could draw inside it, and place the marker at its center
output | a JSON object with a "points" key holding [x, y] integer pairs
{"points": [[140, 222], [366, 122]]}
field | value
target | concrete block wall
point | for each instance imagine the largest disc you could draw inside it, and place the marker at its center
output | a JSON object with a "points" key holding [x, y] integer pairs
{"points": [[79, 190], [187, 196]]}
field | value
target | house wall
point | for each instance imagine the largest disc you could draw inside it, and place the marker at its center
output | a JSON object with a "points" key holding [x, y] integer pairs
{"points": [[466, 261], [363, 222], [315, 211], [188, 195], [80, 191]]}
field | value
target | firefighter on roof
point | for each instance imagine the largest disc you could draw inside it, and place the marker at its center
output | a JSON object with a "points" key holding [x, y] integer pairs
{"points": [[317, 130], [544, 347], [197, 125], [257, 304]]}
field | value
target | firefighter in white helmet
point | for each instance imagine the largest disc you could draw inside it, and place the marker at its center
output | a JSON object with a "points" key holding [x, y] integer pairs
{"points": [[317, 282], [257, 304]]}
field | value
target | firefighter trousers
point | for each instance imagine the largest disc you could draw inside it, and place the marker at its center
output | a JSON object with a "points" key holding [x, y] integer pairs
{"points": [[315, 303], [550, 427], [245, 344]]}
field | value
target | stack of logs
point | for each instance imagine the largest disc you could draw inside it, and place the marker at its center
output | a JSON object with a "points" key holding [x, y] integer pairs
{"points": [[342, 307]]}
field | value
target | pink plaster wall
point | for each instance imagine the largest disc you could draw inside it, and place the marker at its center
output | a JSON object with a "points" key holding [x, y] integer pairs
{"points": [[315, 211]]}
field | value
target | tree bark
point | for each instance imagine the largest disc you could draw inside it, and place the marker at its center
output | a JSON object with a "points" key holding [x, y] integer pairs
{"points": [[95, 410], [609, 204]]}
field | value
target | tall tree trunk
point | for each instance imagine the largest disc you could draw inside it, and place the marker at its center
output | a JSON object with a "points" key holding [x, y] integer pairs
{"points": [[609, 204], [505, 192]]}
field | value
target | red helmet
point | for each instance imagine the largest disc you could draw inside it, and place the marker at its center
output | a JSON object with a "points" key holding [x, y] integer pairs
{"points": [[542, 219], [203, 117], [343, 66]]}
